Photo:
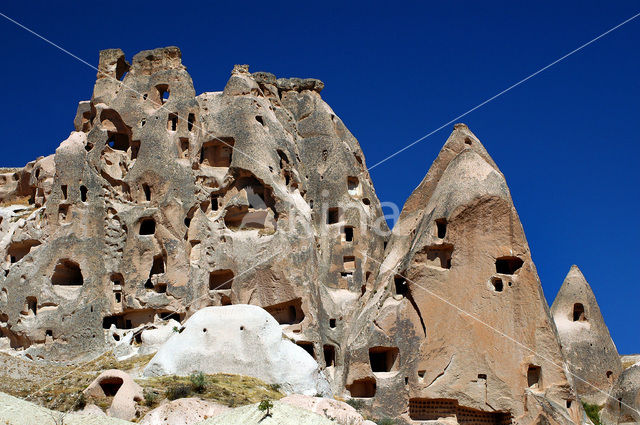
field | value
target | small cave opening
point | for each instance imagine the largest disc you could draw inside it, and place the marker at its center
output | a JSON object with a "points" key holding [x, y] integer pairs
{"points": [[118, 141], [18, 250], [578, 313], [110, 386], [347, 235], [497, 284], [172, 122], [220, 280], [183, 147], [441, 228], [287, 313], [191, 119], [534, 377], [83, 193], [508, 265], [147, 226], [307, 346], [67, 273], [436, 255], [362, 388], [329, 355], [63, 189], [147, 192], [333, 215], [383, 359], [217, 152], [401, 285], [353, 185]]}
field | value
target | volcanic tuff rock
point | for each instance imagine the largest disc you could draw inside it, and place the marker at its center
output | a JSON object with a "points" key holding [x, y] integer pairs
{"points": [[163, 202], [238, 339], [623, 406], [589, 350]]}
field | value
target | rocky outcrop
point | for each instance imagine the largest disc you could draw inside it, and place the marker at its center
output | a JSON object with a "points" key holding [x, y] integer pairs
{"points": [[280, 414], [119, 385], [623, 407], [242, 340], [591, 355], [164, 203], [336, 410], [456, 324], [184, 411]]}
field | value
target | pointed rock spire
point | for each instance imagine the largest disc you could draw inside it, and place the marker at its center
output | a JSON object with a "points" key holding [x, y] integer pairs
{"points": [[585, 338], [457, 320]]}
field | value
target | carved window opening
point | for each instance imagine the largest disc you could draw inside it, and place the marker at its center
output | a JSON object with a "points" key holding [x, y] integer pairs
{"points": [[147, 192], [172, 122], [436, 255], [332, 323], [508, 265], [18, 250], [347, 234], [497, 284], [184, 147], [308, 347], [63, 188], [220, 280], [83, 193], [362, 388], [333, 215], [441, 228], [349, 263], [31, 306], [353, 185], [190, 121], [383, 359], [329, 355], [67, 273], [118, 141], [110, 386], [578, 313], [534, 377], [287, 313], [147, 226], [217, 152], [401, 285]]}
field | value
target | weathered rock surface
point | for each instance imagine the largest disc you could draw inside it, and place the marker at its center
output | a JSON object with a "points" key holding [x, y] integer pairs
{"points": [[281, 414], [591, 355], [14, 411], [335, 410], [184, 411], [119, 385], [457, 325], [163, 202], [242, 340], [623, 407]]}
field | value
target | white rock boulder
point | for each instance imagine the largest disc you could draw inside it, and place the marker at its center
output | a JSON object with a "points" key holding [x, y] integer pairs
{"points": [[238, 339], [184, 411]]}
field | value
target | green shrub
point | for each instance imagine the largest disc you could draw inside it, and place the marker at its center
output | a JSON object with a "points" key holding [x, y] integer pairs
{"points": [[177, 391], [275, 387], [80, 402], [593, 412], [355, 403], [150, 398], [198, 382], [265, 405]]}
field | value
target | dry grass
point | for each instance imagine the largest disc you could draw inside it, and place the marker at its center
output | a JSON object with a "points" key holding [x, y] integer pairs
{"points": [[22, 200], [7, 170], [59, 387]]}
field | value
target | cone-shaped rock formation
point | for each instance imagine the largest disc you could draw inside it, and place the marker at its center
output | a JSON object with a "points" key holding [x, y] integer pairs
{"points": [[589, 350]]}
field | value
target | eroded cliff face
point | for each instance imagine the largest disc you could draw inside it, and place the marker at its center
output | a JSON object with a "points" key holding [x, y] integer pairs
{"points": [[162, 202], [457, 321]]}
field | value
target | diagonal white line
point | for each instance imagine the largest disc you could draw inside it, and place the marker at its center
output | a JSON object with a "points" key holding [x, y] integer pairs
{"points": [[504, 91], [160, 106], [499, 332]]}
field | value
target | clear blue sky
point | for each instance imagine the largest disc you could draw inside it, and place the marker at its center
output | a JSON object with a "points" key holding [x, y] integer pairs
{"points": [[567, 140]]}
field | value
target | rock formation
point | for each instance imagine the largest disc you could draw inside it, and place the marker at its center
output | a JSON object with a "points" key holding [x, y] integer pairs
{"points": [[119, 385], [163, 202], [589, 350], [238, 339], [456, 324], [623, 407]]}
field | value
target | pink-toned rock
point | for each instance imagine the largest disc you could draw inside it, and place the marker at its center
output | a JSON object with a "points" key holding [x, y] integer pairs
{"points": [[336, 410], [126, 393], [183, 411]]}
